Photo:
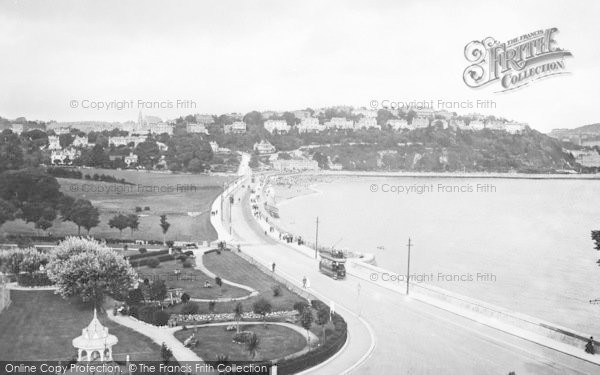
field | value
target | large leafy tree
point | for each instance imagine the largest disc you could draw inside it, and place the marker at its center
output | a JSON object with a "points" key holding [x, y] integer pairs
{"points": [[133, 222], [11, 154], [157, 290], [96, 157], [83, 214], [191, 152], [91, 220], [148, 153], [120, 222], [85, 268], [31, 193]]}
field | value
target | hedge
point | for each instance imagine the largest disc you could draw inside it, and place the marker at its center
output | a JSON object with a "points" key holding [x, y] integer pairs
{"points": [[13, 237], [148, 254], [33, 279], [144, 262], [333, 343]]}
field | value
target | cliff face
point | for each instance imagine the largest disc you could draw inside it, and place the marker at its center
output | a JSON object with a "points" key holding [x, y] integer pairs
{"points": [[446, 150]]}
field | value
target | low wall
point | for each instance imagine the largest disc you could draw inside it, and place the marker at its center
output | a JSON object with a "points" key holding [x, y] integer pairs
{"points": [[515, 319]]}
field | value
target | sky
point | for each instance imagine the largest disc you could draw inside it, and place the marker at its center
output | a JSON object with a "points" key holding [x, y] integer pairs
{"points": [[238, 56]]}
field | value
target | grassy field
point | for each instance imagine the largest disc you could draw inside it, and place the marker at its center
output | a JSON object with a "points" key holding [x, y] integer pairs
{"points": [[231, 267], [191, 280], [275, 342], [40, 325], [179, 196]]}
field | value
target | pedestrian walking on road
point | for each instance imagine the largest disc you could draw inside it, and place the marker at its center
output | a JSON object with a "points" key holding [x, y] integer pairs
{"points": [[307, 283], [589, 347], [273, 266], [304, 282]]}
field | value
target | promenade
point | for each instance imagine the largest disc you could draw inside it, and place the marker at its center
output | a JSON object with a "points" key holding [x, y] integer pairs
{"points": [[393, 333]]}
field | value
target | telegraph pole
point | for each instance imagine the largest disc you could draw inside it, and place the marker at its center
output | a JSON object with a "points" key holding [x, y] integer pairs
{"points": [[408, 266], [231, 200], [317, 238]]}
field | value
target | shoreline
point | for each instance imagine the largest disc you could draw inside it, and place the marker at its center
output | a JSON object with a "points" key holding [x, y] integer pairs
{"points": [[499, 175]]}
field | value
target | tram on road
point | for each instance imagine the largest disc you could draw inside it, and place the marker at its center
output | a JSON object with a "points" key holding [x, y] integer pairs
{"points": [[333, 265]]}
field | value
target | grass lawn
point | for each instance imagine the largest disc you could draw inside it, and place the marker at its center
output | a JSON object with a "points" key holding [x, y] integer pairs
{"points": [[191, 280], [40, 325], [231, 267], [275, 342], [173, 201]]}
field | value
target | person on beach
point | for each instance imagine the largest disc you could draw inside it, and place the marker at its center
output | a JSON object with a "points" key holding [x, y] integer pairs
{"points": [[304, 282], [589, 347]]}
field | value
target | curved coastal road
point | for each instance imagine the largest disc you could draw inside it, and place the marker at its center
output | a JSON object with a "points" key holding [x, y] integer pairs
{"points": [[392, 333]]}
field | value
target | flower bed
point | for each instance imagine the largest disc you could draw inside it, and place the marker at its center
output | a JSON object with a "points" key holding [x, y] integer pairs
{"points": [[149, 254], [144, 261], [179, 319]]}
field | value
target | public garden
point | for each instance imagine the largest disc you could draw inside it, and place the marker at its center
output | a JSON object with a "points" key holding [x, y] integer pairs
{"points": [[215, 303]]}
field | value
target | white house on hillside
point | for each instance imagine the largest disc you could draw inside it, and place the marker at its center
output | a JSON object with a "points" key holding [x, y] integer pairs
{"points": [[264, 147], [280, 126]]}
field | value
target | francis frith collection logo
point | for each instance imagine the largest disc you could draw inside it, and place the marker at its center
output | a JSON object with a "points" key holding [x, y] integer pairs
{"points": [[515, 63]]}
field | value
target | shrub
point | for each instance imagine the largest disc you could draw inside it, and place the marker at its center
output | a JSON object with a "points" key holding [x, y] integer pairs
{"points": [[33, 279], [138, 209], [148, 255], [262, 307], [185, 298], [218, 281], [134, 311], [300, 306], [190, 308], [160, 318], [188, 263], [146, 313], [135, 297], [153, 262], [143, 250], [276, 290], [146, 208], [170, 243], [242, 337]]}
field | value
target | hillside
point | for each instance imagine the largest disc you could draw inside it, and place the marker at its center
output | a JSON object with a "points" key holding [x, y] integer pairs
{"points": [[447, 150], [589, 130]]}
